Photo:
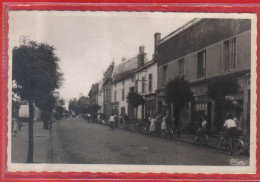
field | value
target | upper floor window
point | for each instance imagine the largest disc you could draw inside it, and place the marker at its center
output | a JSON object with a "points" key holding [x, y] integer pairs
{"points": [[143, 84], [123, 82], [131, 89], [115, 96], [181, 67], [150, 83], [229, 54], [164, 75], [201, 64]]}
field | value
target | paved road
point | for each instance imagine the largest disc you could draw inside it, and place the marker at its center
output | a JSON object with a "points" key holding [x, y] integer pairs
{"points": [[76, 141]]}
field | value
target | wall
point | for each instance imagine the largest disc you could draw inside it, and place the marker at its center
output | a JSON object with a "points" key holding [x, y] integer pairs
{"points": [[214, 60], [202, 34]]}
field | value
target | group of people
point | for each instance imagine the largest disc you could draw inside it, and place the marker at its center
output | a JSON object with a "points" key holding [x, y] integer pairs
{"points": [[158, 123]]}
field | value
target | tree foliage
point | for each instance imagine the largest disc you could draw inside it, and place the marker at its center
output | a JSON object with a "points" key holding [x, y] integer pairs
{"points": [[222, 87], [35, 70], [79, 106], [135, 99], [178, 92]]}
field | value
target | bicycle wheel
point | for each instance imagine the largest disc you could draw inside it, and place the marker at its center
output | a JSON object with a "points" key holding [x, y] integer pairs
{"points": [[238, 146]]}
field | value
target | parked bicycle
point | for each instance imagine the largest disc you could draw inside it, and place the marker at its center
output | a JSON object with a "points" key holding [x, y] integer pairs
{"points": [[201, 138], [234, 145]]}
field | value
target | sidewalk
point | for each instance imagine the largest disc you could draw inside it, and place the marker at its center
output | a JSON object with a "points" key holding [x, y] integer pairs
{"points": [[185, 138], [19, 146]]}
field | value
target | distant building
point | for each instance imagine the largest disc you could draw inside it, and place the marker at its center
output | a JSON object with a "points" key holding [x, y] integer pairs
{"points": [[123, 83], [107, 84], [100, 97], [24, 112], [201, 51], [135, 75]]}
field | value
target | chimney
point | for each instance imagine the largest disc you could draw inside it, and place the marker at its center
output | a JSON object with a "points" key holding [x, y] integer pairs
{"points": [[157, 38], [141, 49], [141, 56]]}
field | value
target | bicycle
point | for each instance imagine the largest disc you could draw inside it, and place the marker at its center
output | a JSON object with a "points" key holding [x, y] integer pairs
{"points": [[234, 144], [201, 138]]}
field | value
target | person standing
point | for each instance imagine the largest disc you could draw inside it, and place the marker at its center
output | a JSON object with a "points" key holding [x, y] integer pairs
{"points": [[152, 128], [163, 126], [111, 122], [15, 127]]}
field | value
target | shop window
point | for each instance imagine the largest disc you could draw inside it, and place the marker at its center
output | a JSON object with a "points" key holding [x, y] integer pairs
{"points": [[201, 64], [201, 110]]}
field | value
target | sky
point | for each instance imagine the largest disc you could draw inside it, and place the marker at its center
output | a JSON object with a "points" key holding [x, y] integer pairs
{"points": [[87, 42]]}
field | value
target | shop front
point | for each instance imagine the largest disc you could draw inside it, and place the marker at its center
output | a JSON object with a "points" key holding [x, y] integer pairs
{"points": [[150, 105]]}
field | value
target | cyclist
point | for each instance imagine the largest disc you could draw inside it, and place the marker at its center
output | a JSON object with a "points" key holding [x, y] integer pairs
{"points": [[231, 127], [201, 133]]}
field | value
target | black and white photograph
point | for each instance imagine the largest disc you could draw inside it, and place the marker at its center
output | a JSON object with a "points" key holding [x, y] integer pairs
{"points": [[111, 91]]}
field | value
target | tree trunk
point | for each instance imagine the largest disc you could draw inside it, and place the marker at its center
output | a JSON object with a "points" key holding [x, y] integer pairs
{"points": [[177, 120], [136, 112], [30, 133], [45, 120]]}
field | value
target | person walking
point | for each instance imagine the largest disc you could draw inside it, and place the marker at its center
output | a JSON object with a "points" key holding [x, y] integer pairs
{"points": [[152, 128], [111, 122], [163, 127], [15, 127]]}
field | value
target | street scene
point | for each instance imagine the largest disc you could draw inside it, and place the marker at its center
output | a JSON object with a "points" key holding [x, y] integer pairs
{"points": [[138, 93]]}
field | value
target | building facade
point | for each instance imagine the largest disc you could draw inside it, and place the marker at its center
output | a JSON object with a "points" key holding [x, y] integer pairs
{"points": [[123, 83], [107, 89], [100, 97], [202, 51], [135, 75]]}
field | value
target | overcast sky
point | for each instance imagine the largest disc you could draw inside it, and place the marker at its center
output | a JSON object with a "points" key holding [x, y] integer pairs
{"points": [[87, 42]]}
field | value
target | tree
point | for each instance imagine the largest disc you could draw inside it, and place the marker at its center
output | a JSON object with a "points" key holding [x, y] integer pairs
{"points": [[135, 100], [222, 87], [59, 111], [36, 73], [219, 90], [61, 102], [178, 93]]}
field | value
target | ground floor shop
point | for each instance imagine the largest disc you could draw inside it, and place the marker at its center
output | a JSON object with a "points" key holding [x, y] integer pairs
{"points": [[215, 112]]}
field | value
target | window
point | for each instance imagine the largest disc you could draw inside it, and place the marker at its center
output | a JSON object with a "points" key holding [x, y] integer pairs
{"points": [[115, 96], [143, 84], [123, 94], [201, 64], [123, 82], [181, 67], [164, 75], [229, 54], [150, 83], [131, 89], [136, 86]]}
